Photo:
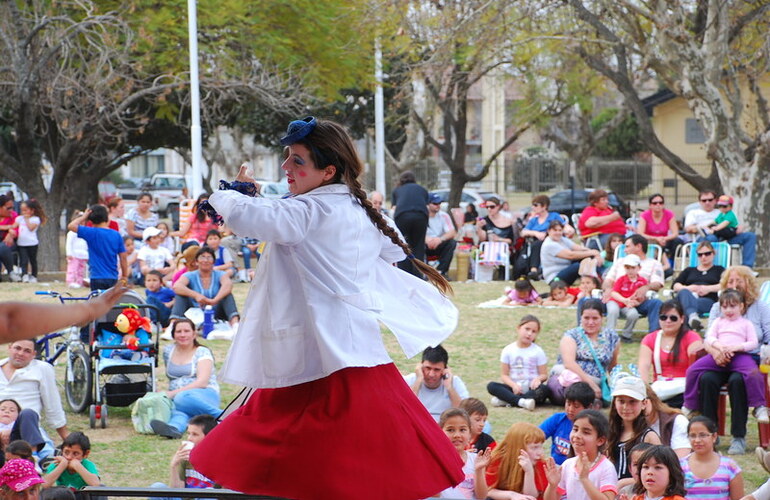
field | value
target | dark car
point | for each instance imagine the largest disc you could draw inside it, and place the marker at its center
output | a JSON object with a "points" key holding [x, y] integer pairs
{"points": [[561, 202]]}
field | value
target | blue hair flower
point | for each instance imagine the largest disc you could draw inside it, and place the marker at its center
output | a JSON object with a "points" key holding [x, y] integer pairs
{"points": [[298, 130]]}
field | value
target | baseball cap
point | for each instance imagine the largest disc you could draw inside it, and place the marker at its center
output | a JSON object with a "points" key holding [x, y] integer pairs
{"points": [[434, 198], [725, 200], [19, 474], [150, 232], [632, 260], [633, 387]]}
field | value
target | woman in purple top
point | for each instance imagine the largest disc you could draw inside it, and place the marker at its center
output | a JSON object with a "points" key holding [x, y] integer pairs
{"points": [[658, 225]]}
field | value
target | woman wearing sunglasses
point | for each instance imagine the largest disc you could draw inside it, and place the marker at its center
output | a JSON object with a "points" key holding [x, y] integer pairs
{"points": [[697, 287], [665, 355], [658, 225]]}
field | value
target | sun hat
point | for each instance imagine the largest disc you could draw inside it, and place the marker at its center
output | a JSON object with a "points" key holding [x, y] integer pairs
{"points": [[632, 260], [19, 474], [150, 232], [633, 387]]}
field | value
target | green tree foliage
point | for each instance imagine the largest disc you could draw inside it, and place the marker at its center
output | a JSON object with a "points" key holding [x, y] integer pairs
{"points": [[84, 86], [622, 141]]}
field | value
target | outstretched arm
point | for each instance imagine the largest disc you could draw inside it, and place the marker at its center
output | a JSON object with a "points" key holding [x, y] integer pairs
{"points": [[20, 320]]}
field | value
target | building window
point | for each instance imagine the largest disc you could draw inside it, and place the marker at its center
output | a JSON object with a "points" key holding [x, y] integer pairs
{"points": [[146, 165], [693, 132]]}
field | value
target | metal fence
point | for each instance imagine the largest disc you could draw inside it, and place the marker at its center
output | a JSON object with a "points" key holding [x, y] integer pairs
{"points": [[631, 179]]}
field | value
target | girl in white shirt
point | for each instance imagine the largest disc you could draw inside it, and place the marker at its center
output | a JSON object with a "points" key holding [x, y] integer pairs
{"points": [[588, 475], [31, 218], [329, 405]]}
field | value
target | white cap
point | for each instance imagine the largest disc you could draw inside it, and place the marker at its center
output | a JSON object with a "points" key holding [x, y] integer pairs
{"points": [[150, 232], [632, 260], [633, 387]]}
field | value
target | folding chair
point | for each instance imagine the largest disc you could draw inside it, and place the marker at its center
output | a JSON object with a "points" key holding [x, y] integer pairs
{"points": [[492, 254], [688, 257], [653, 252], [590, 240]]}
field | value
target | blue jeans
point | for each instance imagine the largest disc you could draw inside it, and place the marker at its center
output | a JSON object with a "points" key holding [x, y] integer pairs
{"points": [[570, 273], [163, 313], [247, 256], [748, 242], [193, 402], [691, 303]]}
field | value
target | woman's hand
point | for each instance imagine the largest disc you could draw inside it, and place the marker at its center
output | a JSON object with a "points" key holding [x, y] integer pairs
{"points": [[516, 388], [536, 382], [596, 388], [244, 175]]}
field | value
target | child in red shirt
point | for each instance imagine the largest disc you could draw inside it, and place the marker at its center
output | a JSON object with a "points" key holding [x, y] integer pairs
{"points": [[517, 464], [623, 299]]}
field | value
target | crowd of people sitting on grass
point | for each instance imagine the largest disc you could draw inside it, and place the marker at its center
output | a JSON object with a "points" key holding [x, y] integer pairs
{"points": [[639, 445]]}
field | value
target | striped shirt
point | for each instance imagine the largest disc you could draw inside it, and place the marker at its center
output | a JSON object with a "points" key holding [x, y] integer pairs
{"points": [[717, 487]]}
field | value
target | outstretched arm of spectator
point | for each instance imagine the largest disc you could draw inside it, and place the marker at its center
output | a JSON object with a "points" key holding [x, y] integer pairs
{"points": [[20, 320]]}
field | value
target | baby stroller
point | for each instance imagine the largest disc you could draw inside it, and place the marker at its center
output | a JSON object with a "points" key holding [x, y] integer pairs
{"points": [[115, 381]]}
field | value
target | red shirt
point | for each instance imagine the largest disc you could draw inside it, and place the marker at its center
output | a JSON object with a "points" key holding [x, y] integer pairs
{"points": [[669, 368], [616, 226], [541, 480], [626, 287]]}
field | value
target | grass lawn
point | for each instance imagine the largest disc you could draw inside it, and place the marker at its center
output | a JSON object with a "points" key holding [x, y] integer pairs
{"points": [[125, 458]]}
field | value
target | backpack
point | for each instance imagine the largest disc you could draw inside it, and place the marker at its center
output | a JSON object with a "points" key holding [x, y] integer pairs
{"points": [[151, 406]]}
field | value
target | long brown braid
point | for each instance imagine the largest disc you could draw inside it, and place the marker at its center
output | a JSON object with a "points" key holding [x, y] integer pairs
{"points": [[335, 144]]}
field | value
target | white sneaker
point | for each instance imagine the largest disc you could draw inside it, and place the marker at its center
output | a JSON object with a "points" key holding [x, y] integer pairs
{"points": [[695, 323], [527, 404], [32, 279], [498, 402], [75, 285], [15, 276], [25, 278], [761, 414], [166, 335]]}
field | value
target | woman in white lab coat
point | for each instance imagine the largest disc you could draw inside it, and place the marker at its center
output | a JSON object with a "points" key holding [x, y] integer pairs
{"points": [[331, 416]]}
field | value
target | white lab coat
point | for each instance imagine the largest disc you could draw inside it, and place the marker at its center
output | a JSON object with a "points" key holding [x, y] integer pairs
{"points": [[321, 287]]}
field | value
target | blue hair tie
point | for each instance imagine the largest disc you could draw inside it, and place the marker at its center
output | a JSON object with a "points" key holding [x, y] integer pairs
{"points": [[298, 130]]}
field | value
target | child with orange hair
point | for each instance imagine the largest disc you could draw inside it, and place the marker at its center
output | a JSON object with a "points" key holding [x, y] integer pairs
{"points": [[517, 464]]}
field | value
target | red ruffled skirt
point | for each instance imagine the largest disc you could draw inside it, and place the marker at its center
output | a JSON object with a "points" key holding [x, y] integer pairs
{"points": [[358, 433]]}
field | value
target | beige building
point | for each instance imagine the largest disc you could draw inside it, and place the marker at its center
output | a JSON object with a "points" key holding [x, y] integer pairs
{"points": [[679, 130]]}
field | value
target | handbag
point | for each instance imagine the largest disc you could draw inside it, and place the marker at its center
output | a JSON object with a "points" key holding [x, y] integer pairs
{"points": [[665, 388], [605, 385]]}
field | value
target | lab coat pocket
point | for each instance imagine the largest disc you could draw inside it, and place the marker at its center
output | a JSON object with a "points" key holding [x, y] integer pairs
{"points": [[283, 352]]}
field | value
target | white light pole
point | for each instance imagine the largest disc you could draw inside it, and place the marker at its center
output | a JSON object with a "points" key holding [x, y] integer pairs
{"points": [[379, 123], [195, 104]]}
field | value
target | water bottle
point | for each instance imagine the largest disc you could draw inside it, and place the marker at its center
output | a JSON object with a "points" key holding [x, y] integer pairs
{"points": [[208, 321]]}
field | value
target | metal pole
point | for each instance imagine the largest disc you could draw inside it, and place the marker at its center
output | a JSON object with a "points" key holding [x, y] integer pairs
{"points": [[379, 122], [195, 100]]}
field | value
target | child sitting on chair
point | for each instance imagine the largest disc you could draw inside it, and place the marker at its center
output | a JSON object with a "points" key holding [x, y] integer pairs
{"points": [[522, 294], [623, 298], [559, 296]]}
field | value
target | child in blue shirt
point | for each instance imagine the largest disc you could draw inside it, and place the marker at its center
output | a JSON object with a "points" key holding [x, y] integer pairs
{"points": [[579, 397], [159, 296], [105, 247]]}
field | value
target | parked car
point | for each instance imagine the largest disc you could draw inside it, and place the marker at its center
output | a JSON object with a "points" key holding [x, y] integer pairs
{"points": [[107, 191], [274, 189], [166, 190], [561, 202], [468, 196]]}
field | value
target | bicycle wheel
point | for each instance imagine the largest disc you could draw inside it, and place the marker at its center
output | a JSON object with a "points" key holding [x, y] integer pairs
{"points": [[77, 380]]}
